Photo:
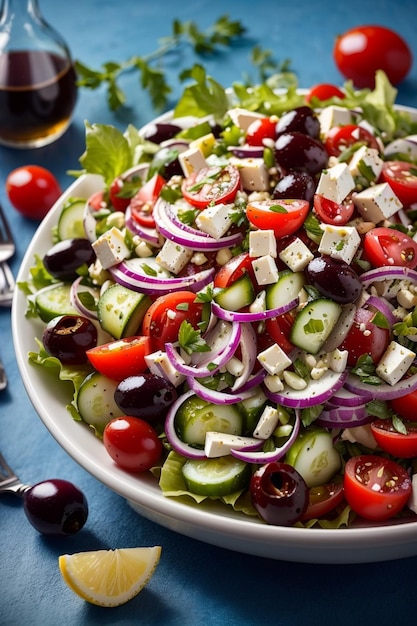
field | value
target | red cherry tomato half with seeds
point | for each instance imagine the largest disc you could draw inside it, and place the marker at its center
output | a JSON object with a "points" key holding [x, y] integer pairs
{"points": [[340, 138], [143, 201], [365, 337], [261, 129], [403, 446], [211, 185], [121, 358], [331, 212], [375, 487], [361, 51], [32, 190], [234, 269], [323, 499], [132, 443], [284, 217], [324, 91], [402, 178], [387, 246]]}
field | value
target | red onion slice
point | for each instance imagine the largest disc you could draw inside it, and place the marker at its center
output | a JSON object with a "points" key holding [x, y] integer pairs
{"points": [[217, 397], [176, 443], [388, 273], [151, 285], [248, 348], [345, 398], [243, 316], [344, 417], [75, 290], [383, 306], [316, 392], [383, 391]]}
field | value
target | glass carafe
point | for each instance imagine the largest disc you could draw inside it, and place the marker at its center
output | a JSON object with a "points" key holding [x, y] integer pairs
{"points": [[38, 88]]}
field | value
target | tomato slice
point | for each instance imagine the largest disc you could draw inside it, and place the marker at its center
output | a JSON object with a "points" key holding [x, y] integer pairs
{"points": [[406, 406], [233, 270], [260, 129], [331, 212], [387, 246], [402, 178], [279, 329], [324, 91], [284, 217], [164, 317], [121, 358], [365, 337], [393, 442], [144, 199], [322, 500], [340, 138], [211, 185], [375, 487]]}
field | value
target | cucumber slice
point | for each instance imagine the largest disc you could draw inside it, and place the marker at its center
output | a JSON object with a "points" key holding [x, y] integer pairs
{"points": [[314, 456], [120, 310], [251, 410], [286, 289], [53, 301], [216, 477], [196, 417], [70, 222], [95, 401], [240, 294], [314, 323]]}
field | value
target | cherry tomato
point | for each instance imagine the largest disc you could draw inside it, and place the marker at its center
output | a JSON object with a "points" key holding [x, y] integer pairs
{"points": [[164, 317], [376, 488], [132, 443], [323, 499], [121, 358], [324, 91], [233, 270], [32, 190], [365, 337], [339, 138], [279, 329], [258, 130], [406, 406], [97, 201], [143, 201], [402, 178], [116, 198], [211, 185], [393, 442], [284, 217], [361, 51], [331, 212], [387, 246]]}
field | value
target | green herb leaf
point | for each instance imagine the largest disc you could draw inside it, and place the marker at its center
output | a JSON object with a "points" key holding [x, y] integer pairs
{"points": [[191, 340]]}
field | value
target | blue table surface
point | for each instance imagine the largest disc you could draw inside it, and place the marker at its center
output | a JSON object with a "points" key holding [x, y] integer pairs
{"points": [[195, 583]]}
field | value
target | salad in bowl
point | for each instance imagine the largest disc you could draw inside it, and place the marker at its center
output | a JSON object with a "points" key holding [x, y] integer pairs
{"points": [[231, 293]]}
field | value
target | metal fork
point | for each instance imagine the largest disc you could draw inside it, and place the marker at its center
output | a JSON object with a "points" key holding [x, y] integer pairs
{"points": [[3, 377], [7, 250], [9, 482]]}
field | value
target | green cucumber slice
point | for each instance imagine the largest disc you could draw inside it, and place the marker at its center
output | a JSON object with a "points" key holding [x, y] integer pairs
{"points": [[314, 323], [216, 477], [120, 310], [70, 222], [240, 294], [314, 456], [286, 289], [196, 417], [53, 301], [95, 401]]}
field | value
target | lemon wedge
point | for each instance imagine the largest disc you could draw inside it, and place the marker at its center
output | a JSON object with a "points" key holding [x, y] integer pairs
{"points": [[109, 577]]}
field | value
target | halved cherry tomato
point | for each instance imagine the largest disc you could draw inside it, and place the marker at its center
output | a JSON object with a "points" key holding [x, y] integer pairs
{"points": [[260, 129], [406, 406], [363, 50], [324, 91], [339, 138], [365, 337], [233, 270], [164, 317], [376, 488], [143, 201], [279, 329], [32, 190], [97, 201], [118, 202], [284, 217], [121, 358], [393, 442], [387, 246], [402, 178], [211, 185], [132, 443], [331, 212], [322, 500]]}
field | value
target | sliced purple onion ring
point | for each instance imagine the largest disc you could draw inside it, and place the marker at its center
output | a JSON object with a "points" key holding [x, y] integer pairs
{"points": [[388, 273], [345, 398], [383, 306], [217, 397], [243, 316], [383, 391], [316, 392], [75, 300], [344, 417], [176, 443], [151, 285]]}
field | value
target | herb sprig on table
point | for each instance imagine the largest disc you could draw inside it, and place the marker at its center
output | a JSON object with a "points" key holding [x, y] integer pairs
{"points": [[217, 37]]}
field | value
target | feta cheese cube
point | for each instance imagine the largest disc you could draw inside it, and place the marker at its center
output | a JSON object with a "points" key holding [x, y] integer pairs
{"points": [[337, 360], [366, 163], [110, 248], [377, 203], [159, 364], [335, 183], [274, 360], [267, 423], [333, 116], [254, 174], [266, 271], [296, 255], [215, 220], [340, 242], [191, 160], [243, 118], [220, 444], [173, 257], [394, 363], [262, 242]]}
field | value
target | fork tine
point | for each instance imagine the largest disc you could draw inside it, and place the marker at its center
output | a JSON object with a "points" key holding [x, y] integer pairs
{"points": [[7, 285], [7, 246]]}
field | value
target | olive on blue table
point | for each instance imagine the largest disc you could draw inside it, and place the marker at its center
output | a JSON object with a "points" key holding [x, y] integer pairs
{"points": [[147, 396], [68, 337], [67, 256], [297, 151], [334, 279], [55, 507], [301, 119], [279, 494]]}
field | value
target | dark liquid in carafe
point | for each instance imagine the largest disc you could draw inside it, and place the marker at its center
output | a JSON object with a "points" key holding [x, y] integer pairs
{"points": [[37, 95]]}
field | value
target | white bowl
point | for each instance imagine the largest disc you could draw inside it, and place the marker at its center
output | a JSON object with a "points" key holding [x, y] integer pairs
{"points": [[209, 522]]}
